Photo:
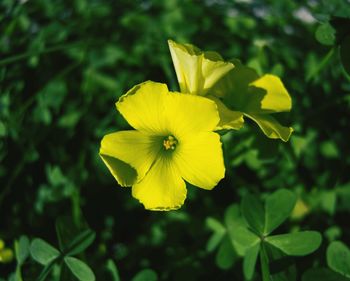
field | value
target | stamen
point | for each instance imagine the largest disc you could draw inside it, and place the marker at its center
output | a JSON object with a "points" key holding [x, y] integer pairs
{"points": [[170, 143]]}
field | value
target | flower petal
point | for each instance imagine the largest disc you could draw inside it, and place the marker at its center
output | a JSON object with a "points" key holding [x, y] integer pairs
{"points": [[199, 159], [189, 113], [271, 127], [121, 171], [162, 189], [129, 155], [229, 119], [243, 90], [268, 94], [143, 107], [197, 71]]}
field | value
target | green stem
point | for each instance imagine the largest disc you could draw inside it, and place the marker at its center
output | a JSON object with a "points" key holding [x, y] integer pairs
{"points": [[25, 55], [264, 262], [45, 272], [322, 64]]}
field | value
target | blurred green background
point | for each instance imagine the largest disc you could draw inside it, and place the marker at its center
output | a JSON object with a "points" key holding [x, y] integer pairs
{"points": [[63, 65]]}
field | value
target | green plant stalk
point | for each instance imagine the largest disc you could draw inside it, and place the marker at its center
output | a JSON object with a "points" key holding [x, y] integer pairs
{"points": [[25, 55], [321, 65], [18, 273], [264, 263], [45, 272]]}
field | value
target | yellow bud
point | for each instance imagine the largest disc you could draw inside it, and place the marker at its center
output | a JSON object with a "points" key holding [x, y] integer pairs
{"points": [[6, 255], [300, 210]]}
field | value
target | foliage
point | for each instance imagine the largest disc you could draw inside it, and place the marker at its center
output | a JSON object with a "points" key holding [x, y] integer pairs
{"points": [[64, 64]]}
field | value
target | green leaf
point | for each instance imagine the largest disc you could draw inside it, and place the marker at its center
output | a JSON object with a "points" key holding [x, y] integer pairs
{"points": [[328, 201], [296, 244], [249, 261], [325, 34], [81, 242], [146, 275], [22, 249], [215, 225], [66, 231], [278, 207], [43, 252], [345, 54], [70, 119], [73, 238], [80, 269], [242, 238], [322, 274], [338, 258], [226, 255], [329, 149], [113, 270], [253, 212], [219, 232], [237, 229]]}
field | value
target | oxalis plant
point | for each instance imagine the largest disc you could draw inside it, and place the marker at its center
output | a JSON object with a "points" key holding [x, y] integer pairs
{"points": [[71, 243], [176, 134], [249, 233]]}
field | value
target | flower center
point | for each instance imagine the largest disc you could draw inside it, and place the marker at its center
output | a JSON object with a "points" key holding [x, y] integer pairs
{"points": [[169, 142]]}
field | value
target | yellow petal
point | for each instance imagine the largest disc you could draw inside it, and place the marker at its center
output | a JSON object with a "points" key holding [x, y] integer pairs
{"points": [[150, 108], [162, 189], [268, 94], [197, 71], [229, 119], [143, 107], [129, 155], [271, 127], [199, 159], [242, 90], [188, 113]]}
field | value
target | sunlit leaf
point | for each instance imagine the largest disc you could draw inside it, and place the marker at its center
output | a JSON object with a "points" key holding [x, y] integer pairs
{"points": [[296, 244], [22, 249], [113, 270], [43, 252], [219, 232], [249, 261], [80, 269], [338, 258], [278, 207]]}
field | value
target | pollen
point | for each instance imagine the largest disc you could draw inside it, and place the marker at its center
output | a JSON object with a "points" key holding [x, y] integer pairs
{"points": [[169, 143]]}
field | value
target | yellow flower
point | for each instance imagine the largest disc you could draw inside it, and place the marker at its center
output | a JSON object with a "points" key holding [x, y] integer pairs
{"points": [[173, 141], [197, 71], [237, 90], [6, 254]]}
